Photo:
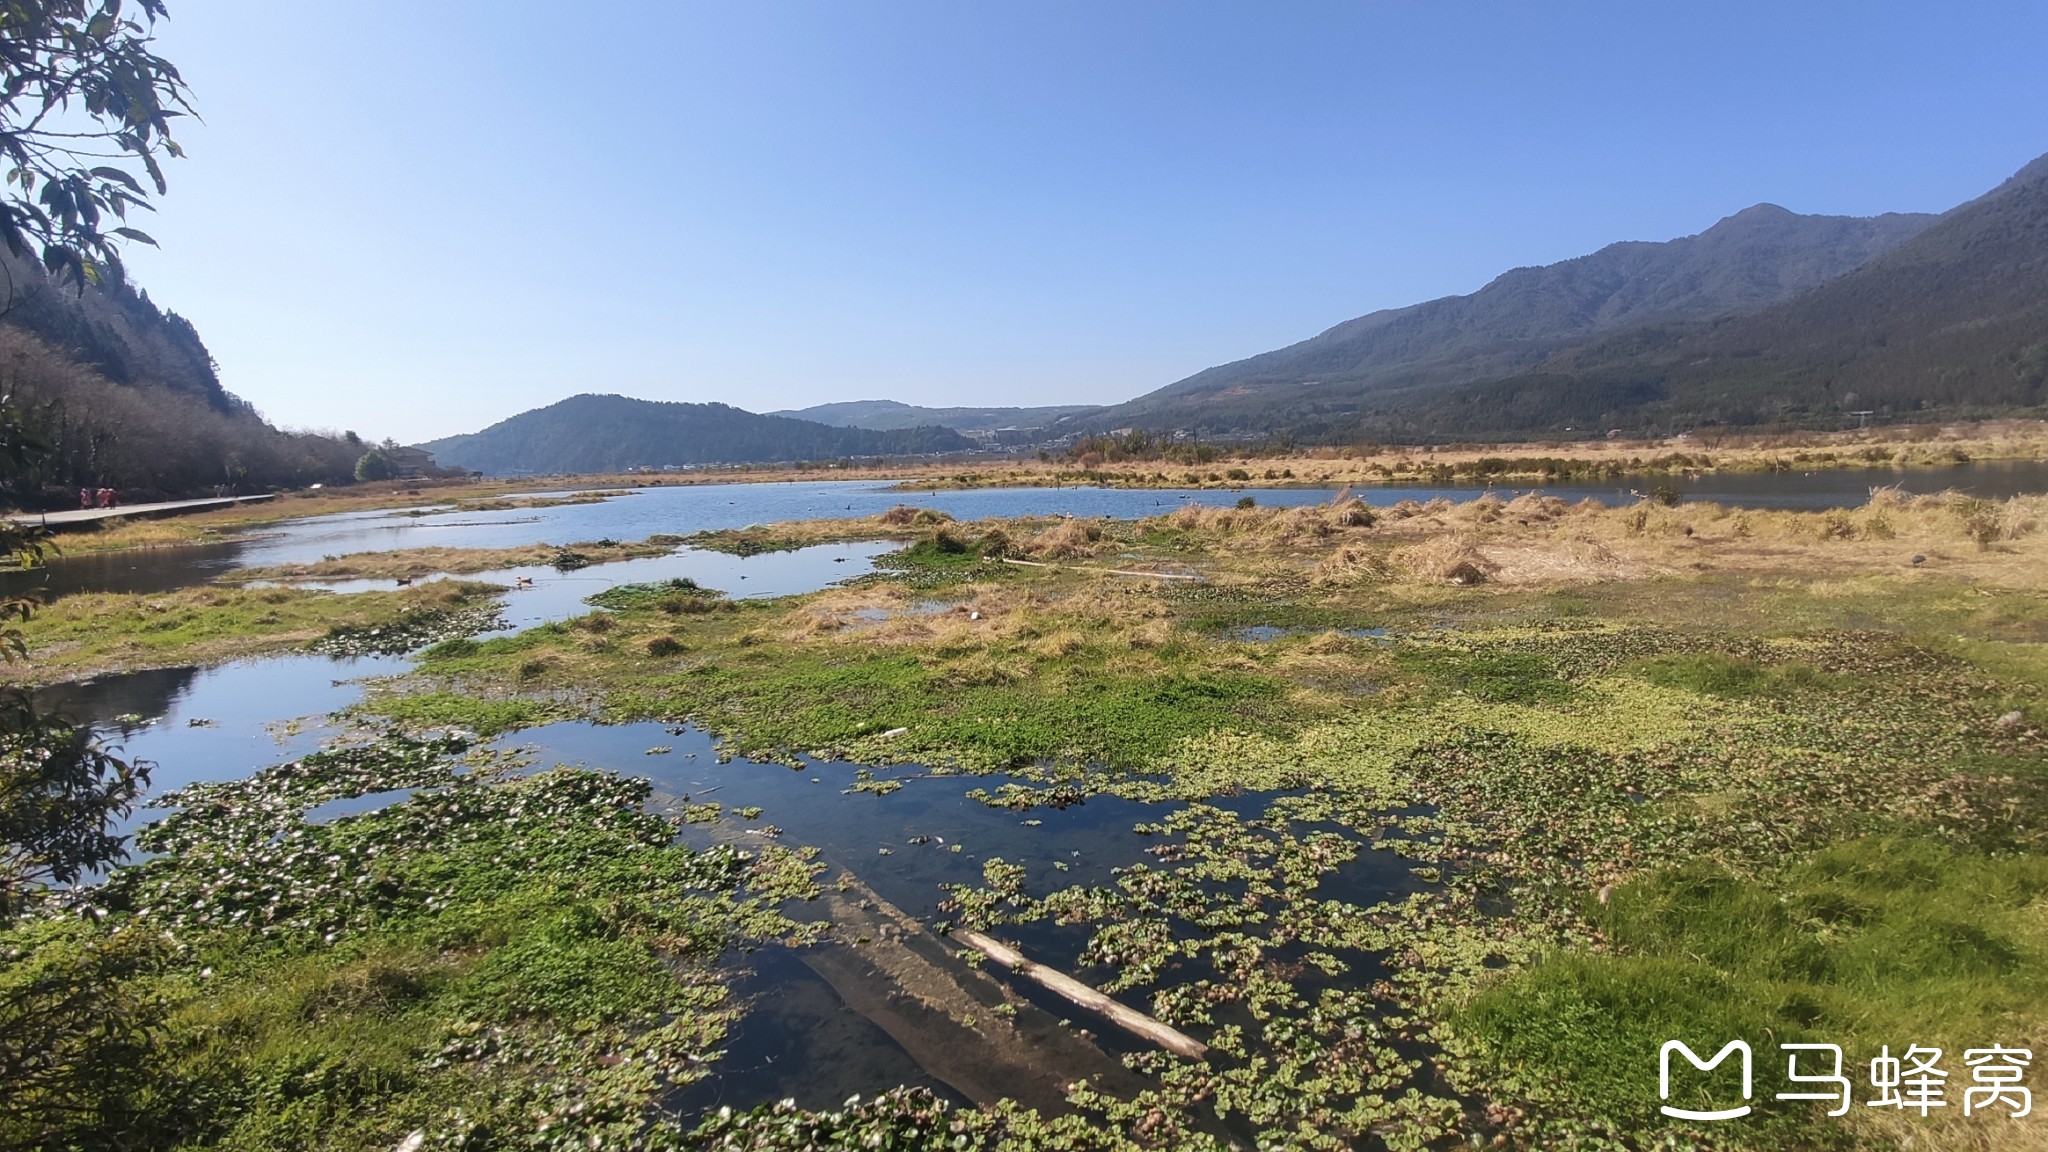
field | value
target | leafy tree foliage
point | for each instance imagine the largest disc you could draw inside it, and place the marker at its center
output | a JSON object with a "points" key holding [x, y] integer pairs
{"points": [[60, 791], [375, 465], [84, 104], [78, 85], [151, 441]]}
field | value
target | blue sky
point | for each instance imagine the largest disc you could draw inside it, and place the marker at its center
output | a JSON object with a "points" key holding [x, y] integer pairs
{"points": [[416, 219]]}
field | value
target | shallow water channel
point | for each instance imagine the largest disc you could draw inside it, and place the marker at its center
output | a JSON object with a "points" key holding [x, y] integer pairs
{"points": [[824, 1023]]}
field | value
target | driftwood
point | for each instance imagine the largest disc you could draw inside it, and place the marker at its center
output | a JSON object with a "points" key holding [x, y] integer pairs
{"points": [[1130, 1019]]}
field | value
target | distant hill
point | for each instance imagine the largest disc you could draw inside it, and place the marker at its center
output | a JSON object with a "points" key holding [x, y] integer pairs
{"points": [[591, 433], [887, 415], [1757, 257]]}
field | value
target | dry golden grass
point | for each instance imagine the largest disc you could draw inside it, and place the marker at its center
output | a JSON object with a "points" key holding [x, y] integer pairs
{"points": [[1904, 446], [1447, 559], [1068, 540], [1535, 541]]}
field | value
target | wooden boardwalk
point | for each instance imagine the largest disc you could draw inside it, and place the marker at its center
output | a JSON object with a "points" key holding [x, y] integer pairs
{"points": [[81, 517]]}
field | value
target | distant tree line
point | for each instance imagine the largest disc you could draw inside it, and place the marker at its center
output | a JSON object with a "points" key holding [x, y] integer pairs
{"points": [[1138, 444]]}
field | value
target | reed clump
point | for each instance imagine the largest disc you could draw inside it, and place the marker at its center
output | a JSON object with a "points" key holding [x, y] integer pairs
{"points": [[1447, 559]]}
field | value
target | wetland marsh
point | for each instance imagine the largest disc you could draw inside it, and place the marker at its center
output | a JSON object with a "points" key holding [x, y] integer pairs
{"points": [[1429, 820]]}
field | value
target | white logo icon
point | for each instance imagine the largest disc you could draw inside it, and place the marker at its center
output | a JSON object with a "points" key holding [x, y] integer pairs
{"points": [[1691, 1057]]}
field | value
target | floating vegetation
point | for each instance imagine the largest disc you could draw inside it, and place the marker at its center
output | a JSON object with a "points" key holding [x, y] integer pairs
{"points": [[658, 594], [416, 628], [528, 956]]}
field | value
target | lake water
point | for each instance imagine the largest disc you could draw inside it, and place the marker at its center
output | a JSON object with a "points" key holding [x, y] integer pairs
{"points": [[681, 510], [684, 509]]}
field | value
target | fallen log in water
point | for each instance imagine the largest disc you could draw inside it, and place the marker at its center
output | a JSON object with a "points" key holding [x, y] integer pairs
{"points": [[1130, 1019]]}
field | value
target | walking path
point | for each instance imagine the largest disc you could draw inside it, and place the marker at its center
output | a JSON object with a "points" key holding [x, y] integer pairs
{"points": [[80, 516]]}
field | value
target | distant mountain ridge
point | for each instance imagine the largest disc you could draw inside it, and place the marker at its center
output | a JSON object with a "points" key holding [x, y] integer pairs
{"points": [[1955, 321], [593, 433], [1747, 261], [887, 415]]}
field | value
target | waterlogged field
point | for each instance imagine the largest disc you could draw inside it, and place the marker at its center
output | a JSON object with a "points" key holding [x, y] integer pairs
{"points": [[1429, 826]]}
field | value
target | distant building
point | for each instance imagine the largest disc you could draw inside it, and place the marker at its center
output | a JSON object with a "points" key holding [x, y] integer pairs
{"points": [[410, 463]]}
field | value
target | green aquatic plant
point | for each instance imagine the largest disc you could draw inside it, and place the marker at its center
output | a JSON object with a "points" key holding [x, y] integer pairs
{"points": [[531, 956]]}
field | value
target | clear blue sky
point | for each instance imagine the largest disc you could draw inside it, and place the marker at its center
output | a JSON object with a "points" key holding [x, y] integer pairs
{"points": [[415, 218]]}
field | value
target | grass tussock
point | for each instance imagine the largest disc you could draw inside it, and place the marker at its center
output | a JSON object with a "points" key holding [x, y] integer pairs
{"points": [[1446, 559], [1068, 540]]}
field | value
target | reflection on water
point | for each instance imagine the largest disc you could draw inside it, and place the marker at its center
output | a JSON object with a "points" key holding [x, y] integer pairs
{"points": [[552, 595], [905, 845], [800, 1041], [216, 723], [803, 1040], [144, 571]]}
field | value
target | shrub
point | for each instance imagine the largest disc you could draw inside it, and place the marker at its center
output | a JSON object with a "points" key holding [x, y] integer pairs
{"points": [[664, 646]]}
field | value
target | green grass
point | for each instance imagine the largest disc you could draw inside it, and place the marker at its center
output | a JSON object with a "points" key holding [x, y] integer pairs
{"points": [[1719, 674], [1495, 676], [1878, 941], [105, 631], [681, 591]]}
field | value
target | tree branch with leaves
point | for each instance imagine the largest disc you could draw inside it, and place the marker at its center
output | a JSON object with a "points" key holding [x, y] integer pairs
{"points": [[85, 118]]}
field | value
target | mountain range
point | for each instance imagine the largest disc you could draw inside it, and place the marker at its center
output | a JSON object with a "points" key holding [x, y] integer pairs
{"points": [[1768, 318], [885, 415]]}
